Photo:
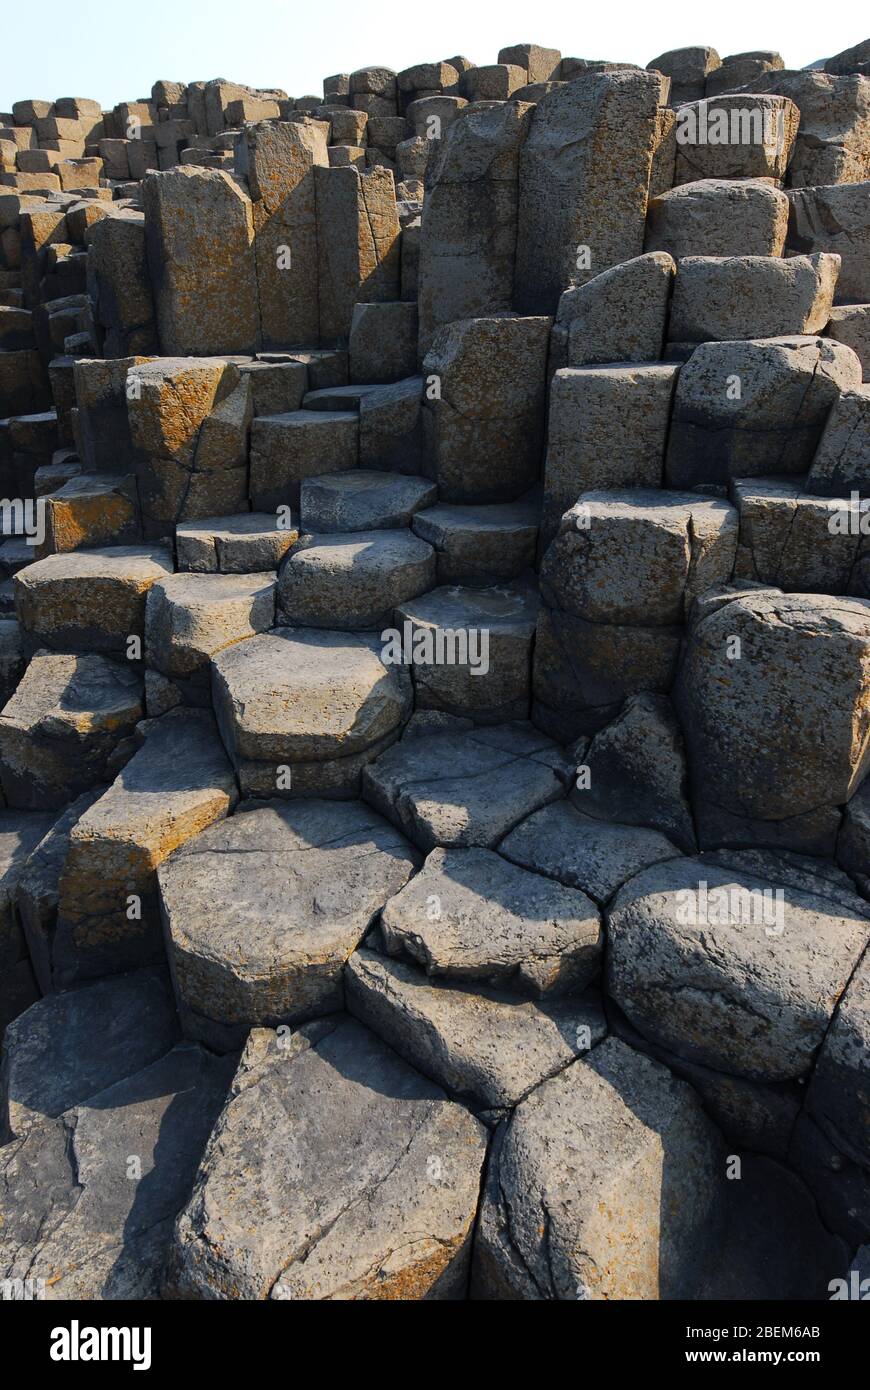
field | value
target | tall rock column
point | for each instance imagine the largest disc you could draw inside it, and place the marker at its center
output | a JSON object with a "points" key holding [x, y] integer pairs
{"points": [[358, 244], [199, 233], [278, 158], [468, 237], [584, 183]]}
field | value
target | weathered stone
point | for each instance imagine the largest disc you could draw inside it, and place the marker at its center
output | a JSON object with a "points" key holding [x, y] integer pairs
{"points": [[732, 970], [759, 137], [89, 511], [471, 650], [688, 69], [470, 915], [285, 449], [383, 342], [200, 240], [469, 232], [465, 789], [263, 911], [481, 546], [842, 461], [20, 833], [250, 543], [276, 387], [364, 1214], [485, 424], [90, 600], [751, 297], [635, 771], [358, 244], [71, 1046], [353, 581], [837, 1097], [75, 1215], [595, 856], [103, 432], [62, 726], [780, 735], [619, 316], [363, 501], [850, 324], [189, 618], [278, 158], [119, 284], [608, 429], [831, 145], [720, 217], [493, 82], [483, 1045], [584, 176], [602, 1185], [540, 64], [754, 409], [835, 219], [316, 704], [795, 541], [176, 785]]}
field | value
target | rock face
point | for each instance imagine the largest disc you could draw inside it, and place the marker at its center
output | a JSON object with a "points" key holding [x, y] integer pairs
{"points": [[600, 1187], [563, 178], [435, 683], [351, 1204]]}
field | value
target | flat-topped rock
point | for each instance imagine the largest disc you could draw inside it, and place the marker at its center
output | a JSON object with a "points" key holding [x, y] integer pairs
{"points": [[75, 1213], [191, 617], [484, 1046], [263, 910], [593, 855], [472, 650], [470, 915], [603, 1184], [63, 725], [363, 500], [338, 398], [334, 1172], [308, 701], [92, 509], [353, 581], [176, 785], [89, 600], [250, 543], [68, 1047], [726, 968], [481, 545], [20, 833], [465, 788], [795, 540], [751, 297]]}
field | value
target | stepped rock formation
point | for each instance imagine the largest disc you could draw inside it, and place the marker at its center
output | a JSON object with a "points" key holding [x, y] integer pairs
{"points": [[435, 674]]}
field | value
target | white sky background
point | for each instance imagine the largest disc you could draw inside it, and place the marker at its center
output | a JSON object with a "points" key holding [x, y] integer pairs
{"points": [[113, 50]]}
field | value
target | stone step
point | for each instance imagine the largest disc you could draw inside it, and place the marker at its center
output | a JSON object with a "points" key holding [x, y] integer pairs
{"points": [[353, 1177], [353, 581], [189, 618], [482, 545], [285, 449], [263, 911], [303, 712], [63, 726], [363, 500], [92, 510], [471, 650], [466, 788], [250, 543], [483, 1045], [342, 398]]}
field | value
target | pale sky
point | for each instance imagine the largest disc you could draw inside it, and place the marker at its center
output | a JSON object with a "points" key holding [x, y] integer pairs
{"points": [[114, 51]]}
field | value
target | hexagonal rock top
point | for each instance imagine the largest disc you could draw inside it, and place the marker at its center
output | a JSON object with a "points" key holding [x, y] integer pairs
{"points": [[89, 600], [468, 788], [469, 915], [263, 910], [334, 1172], [297, 698]]}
